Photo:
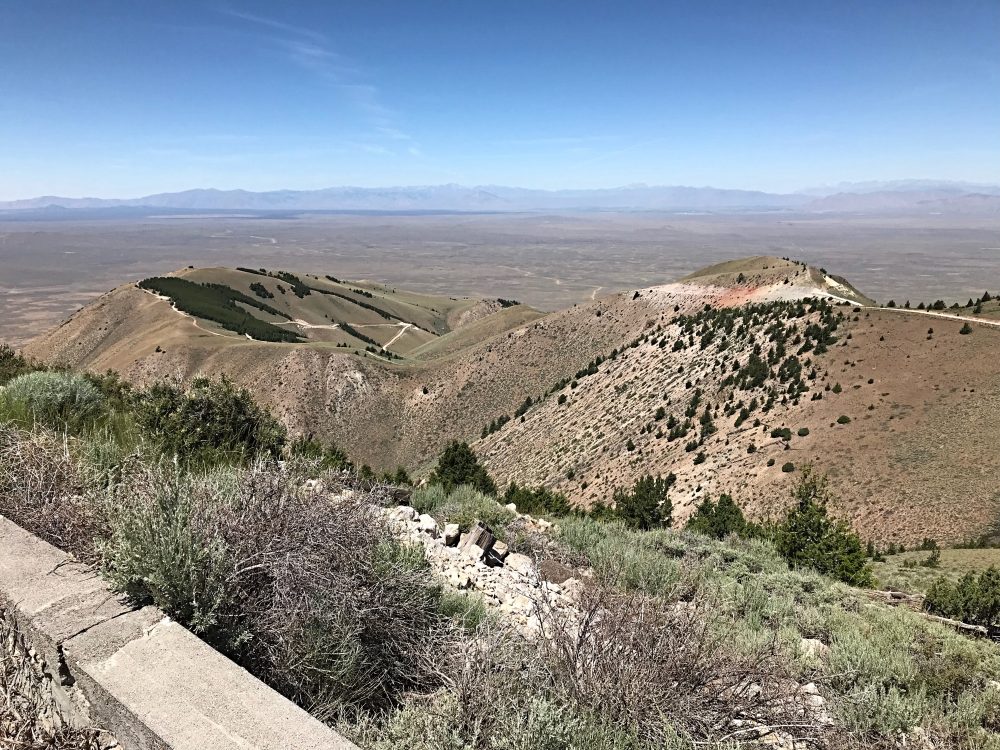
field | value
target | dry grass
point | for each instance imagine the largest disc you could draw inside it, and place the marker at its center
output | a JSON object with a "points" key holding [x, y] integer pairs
{"points": [[28, 720], [308, 590], [893, 573], [42, 489], [668, 668]]}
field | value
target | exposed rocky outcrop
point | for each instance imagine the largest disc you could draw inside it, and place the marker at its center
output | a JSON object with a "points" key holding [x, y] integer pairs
{"points": [[475, 561]]}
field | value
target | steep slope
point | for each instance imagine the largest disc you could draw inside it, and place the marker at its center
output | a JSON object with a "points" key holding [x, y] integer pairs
{"points": [[864, 394], [386, 412], [488, 358]]}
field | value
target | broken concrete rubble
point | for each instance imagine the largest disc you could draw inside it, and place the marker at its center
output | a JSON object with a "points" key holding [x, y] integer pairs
{"points": [[427, 524], [479, 537], [477, 562]]}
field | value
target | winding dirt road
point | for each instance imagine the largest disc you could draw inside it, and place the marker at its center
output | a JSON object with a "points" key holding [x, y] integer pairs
{"points": [[938, 314]]}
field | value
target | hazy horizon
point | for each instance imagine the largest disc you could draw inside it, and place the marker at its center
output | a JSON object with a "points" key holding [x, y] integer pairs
{"points": [[900, 184]]}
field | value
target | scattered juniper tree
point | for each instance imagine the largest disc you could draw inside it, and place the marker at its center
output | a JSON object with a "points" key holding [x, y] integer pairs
{"points": [[647, 505], [974, 599], [458, 465], [718, 520], [211, 421], [809, 538]]}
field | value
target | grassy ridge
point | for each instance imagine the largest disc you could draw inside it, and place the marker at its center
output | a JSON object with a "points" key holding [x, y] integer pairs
{"points": [[302, 289], [217, 302], [359, 303]]}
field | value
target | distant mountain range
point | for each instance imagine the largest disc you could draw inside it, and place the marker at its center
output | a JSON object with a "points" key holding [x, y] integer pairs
{"points": [[908, 196], [902, 186]]}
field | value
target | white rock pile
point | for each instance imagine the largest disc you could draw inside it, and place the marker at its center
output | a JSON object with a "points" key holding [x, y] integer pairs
{"points": [[478, 561]]}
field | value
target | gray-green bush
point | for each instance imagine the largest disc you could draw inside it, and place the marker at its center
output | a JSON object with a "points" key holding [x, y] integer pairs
{"points": [[888, 671], [60, 400], [311, 593]]}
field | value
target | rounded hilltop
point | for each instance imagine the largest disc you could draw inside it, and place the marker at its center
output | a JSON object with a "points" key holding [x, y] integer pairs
{"points": [[770, 277]]}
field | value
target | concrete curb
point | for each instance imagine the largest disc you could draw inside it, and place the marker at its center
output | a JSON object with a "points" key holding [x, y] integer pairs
{"points": [[134, 671]]}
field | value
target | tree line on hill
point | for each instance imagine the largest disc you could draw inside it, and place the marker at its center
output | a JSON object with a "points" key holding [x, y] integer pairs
{"points": [[976, 305], [217, 303]]}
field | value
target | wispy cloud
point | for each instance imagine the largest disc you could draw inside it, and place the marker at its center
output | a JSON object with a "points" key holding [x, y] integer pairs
{"points": [[565, 140], [311, 50], [372, 148], [393, 134], [272, 23]]}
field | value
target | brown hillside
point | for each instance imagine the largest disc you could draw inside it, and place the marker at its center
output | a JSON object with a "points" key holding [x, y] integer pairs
{"points": [[915, 460], [485, 362], [385, 413], [918, 463]]}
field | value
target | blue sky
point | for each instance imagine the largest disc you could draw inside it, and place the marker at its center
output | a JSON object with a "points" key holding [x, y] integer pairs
{"points": [[120, 99]]}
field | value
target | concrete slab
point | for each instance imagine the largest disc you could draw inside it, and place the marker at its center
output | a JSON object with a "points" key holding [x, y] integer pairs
{"points": [[52, 596], [156, 685], [36, 575], [188, 694]]}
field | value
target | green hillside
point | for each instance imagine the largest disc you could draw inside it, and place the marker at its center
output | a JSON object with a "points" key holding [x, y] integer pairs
{"points": [[218, 303]]}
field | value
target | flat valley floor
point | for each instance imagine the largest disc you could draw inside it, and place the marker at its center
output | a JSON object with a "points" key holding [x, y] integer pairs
{"points": [[50, 268]]}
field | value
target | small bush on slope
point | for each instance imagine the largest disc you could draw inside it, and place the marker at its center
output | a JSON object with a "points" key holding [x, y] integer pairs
{"points": [[808, 537], [312, 595], [717, 520], [467, 610], [661, 668], [626, 559], [464, 505], [13, 364], [43, 488], [499, 695], [60, 400], [647, 505], [888, 668], [210, 422], [974, 599], [537, 501], [330, 456]]}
